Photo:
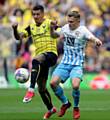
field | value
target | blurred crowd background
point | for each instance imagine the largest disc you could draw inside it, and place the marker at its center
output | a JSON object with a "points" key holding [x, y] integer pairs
{"points": [[95, 14]]}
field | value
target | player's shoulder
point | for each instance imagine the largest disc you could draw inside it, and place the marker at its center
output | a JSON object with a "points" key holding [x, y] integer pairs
{"points": [[47, 21], [65, 27], [32, 25], [82, 28]]}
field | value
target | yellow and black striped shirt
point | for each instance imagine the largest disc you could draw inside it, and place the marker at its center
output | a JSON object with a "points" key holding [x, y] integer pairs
{"points": [[42, 39]]}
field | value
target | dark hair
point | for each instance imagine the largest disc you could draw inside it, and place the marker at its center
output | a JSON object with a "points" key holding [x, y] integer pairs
{"points": [[18, 10], [38, 7], [74, 14]]}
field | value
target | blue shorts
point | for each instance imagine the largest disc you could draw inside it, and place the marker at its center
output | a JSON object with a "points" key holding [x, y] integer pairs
{"points": [[65, 71]]}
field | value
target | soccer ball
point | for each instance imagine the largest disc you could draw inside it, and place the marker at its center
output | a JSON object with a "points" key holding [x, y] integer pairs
{"points": [[21, 75]]}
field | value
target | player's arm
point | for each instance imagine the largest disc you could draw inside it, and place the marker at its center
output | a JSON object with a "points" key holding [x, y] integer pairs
{"points": [[96, 41], [15, 31], [91, 37], [53, 31], [22, 34]]}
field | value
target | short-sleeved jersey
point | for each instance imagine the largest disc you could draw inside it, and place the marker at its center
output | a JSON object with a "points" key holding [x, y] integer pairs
{"points": [[42, 39], [74, 44]]}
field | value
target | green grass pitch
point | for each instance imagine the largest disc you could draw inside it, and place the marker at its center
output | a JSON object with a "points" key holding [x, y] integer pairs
{"points": [[94, 105]]}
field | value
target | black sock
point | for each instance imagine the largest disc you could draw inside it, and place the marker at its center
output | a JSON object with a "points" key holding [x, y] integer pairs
{"points": [[46, 99], [48, 94], [33, 78], [34, 73]]}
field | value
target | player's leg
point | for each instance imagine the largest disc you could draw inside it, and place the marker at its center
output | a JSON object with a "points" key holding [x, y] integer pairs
{"points": [[46, 98], [60, 74], [76, 97], [36, 66], [41, 82], [50, 60], [76, 76]]}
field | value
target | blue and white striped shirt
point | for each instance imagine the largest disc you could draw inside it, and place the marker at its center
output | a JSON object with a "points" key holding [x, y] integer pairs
{"points": [[74, 44]]}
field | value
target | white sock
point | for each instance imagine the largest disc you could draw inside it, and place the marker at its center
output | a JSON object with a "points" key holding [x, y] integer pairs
{"points": [[31, 89], [51, 110], [66, 102]]}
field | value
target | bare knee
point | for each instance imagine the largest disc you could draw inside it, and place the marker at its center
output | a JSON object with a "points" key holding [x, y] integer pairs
{"points": [[76, 83], [55, 81]]}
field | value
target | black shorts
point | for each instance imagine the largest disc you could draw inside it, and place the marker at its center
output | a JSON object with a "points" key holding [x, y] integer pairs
{"points": [[50, 59]]}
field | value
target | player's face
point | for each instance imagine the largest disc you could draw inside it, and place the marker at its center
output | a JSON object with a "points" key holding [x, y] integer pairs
{"points": [[38, 15], [73, 22]]}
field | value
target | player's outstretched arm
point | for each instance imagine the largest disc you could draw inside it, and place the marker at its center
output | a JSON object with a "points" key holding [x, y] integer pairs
{"points": [[16, 34], [96, 41]]}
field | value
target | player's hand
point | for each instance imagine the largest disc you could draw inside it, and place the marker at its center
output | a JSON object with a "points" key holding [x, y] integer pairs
{"points": [[14, 25], [98, 42], [54, 24]]}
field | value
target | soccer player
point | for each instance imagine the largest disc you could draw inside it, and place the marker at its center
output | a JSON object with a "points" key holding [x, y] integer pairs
{"points": [[45, 55], [71, 66]]}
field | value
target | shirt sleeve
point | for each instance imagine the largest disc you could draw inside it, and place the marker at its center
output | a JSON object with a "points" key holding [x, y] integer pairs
{"points": [[87, 33]]}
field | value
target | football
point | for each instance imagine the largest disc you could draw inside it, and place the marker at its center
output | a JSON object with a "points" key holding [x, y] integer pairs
{"points": [[21, 75]]}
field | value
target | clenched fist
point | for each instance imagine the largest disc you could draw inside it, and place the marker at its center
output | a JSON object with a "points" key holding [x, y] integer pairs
{"points": [[14, 25]]}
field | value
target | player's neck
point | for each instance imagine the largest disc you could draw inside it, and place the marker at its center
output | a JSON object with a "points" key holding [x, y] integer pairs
{"points": [[39, 23]]}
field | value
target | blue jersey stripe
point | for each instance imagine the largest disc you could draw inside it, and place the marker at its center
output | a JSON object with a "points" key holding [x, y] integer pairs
{"points": [[74, 44]]}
